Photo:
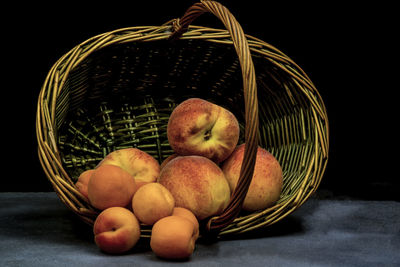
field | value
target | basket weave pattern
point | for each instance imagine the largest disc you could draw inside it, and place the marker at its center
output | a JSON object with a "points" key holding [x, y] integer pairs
{"points": [[118, 88]]}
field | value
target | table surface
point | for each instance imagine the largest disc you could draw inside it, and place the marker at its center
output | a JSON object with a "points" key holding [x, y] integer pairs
{"points": [[36, 229]]}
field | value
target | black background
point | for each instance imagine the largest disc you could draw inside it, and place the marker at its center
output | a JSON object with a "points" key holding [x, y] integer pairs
{"points": [[344, 49]]}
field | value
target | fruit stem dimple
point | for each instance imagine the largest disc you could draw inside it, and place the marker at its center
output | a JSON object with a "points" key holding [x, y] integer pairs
{"points": [[207, 135]]}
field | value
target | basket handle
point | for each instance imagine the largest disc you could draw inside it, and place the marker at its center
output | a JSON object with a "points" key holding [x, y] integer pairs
{"points": [[215, 224]]}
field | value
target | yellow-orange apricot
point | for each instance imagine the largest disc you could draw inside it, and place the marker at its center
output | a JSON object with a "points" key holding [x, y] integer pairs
{"points": [[185, 213], [83, 181], [110, 186], [152, 202], [116, 230], [173, 237]]}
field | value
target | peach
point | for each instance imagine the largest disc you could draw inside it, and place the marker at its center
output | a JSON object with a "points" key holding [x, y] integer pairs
{"points": [[83, 181], [197, 184], [173, 237], [139, 164], [116, 230], [152, 202], [267, 181], [110, 186], [199, 127], [185, 213]]}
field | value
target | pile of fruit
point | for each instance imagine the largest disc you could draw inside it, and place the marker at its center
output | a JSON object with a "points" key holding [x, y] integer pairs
{"points": [[131, 188]]}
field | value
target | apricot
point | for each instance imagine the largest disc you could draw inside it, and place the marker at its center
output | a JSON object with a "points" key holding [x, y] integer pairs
{"points": [[139, 184], [152, 202], [173, 237], [110, 186], [83, 181], [116, 230], [185, 213]]}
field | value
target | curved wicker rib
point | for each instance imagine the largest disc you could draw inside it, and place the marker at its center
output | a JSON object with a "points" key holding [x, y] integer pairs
{"points": [[250, 98]]}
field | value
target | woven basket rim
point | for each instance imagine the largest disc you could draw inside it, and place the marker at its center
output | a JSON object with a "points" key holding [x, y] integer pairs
{"points": [[55, 80]]}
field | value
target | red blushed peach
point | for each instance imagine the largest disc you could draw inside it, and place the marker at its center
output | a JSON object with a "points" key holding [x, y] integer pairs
{"points": [[173, 237], [110, 186], [197, 184], [116, 230], [83, 182], [267, 181], [139, 164], [152, 202], [199, 127]]}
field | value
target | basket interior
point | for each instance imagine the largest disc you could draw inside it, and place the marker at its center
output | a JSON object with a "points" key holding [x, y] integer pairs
{"points": [[122, 95]]}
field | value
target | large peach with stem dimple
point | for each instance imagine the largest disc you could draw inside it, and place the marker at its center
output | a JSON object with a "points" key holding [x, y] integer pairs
{"points": [[199, 127]]}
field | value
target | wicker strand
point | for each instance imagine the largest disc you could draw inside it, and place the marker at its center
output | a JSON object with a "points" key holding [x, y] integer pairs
{"points": [[250, 98]]}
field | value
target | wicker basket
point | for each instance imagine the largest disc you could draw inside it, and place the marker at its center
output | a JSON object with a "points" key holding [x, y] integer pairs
{"points": [[117, 90]]}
